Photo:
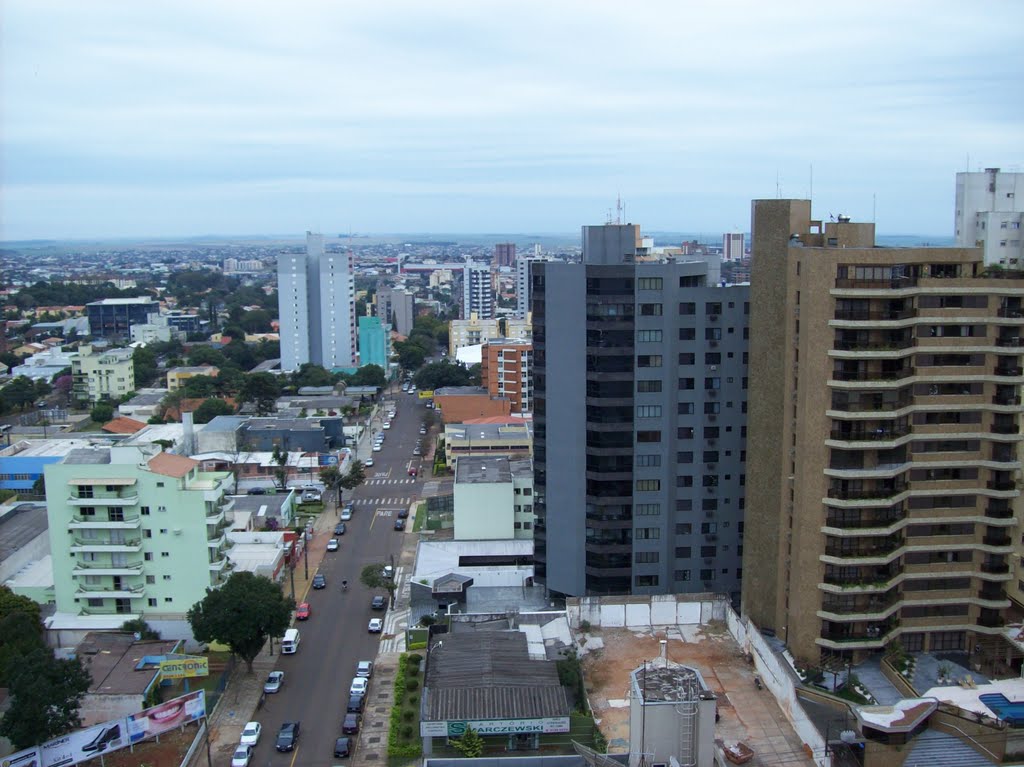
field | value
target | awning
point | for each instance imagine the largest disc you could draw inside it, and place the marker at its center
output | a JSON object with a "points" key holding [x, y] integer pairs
{"points": [[94, 481]]}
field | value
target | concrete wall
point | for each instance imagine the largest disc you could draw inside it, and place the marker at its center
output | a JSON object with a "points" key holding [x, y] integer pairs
{"points": [[101, 708], [647, 611], [484, 511]]}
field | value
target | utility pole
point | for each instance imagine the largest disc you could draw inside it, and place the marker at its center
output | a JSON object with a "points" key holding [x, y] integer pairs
{"points": [[305, 551]]}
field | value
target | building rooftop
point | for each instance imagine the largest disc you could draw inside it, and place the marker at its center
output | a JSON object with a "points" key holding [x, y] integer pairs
{"points": [[118, 664], [43, 448], [123, 425], [667, 684], [34, 575], [277, 424], [147, 398], [487, 431], [490, 675], [261, 506], [122, 301], [471, 469], [20, 526], [88, 455], [225, 423], [171, 465], [461, 391], [195, 369]]}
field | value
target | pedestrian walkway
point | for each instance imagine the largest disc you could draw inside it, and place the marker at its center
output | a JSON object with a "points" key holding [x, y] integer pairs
{"points": [[871, 677], [389, 481], [383, 501]]}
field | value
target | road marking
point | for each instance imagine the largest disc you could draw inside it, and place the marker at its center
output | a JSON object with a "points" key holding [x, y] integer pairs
{"points": [[295, 755]]}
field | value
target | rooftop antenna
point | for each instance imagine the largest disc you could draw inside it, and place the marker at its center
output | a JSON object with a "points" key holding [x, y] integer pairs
{"points": [[811, 193], [778, 187], [873, 207], [618, 209]]}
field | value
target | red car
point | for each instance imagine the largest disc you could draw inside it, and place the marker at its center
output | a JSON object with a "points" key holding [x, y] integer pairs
{"points": [[412, 472], [302, 612]]}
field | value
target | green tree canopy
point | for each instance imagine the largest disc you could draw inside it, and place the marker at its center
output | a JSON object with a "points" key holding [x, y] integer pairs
{"points": [[102, 412], [144, 361], [410, 354], [440, 374], [199, 387], [243, 614], [256, 321], [262, 389], [46, 694], [310, 374], [15, 603], [354, 478], [371, 577], [19, 393], [205, 355], [20, 634], [210, 409], [369, 375]]}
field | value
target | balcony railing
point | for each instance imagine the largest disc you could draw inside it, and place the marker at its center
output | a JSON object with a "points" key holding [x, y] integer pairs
{"points": [[132, 544], [1011, 341], [846, 523], [96, 568], [869, 435], [864, 551], [866, 493], [1007, 370], [1001, 484], [1005, 399], [100, 592], [865, 634], [1005, 428], [873, 346], [103, 500], [996, 539], [872, 375], [1012, 312], [995, 568]]}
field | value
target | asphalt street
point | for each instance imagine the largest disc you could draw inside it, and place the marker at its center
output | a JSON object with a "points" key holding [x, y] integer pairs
{"points": [[335, 638]]}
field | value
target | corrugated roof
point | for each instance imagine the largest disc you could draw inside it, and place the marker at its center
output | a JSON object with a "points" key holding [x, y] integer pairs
{"points": [[490, 675], [171, 465], [123, 425]]}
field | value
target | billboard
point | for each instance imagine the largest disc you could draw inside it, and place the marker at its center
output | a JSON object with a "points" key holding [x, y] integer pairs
{"points": [[425, 394], [82, 745], [167, 716], [326, 459], [28, 758], [454, 728], [184, 667]]}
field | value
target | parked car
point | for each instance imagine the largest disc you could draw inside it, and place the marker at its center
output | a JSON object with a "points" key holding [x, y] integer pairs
{"points": [[400, 524], [423, 430], [342, 748], [258, 491], [358, 686], [412, 471], [339, 529], [375, 626], [350, 725], [387, 572], [319, 581], [287, 736], [377, 447], [302, 612], [355, 704], [417, 451], [387, 424], [403, 513], [346, 515], [242, 756], [274, 681], [251, 734], [378, 603], [332, 545], [368, 461], [364, 668]]}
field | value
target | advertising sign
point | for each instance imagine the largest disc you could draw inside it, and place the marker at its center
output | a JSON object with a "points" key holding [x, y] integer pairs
{"points": [[167, 716], [455, 728], [184, 667], [28, 758], [425, 394], [82, 745], [326, 459]]}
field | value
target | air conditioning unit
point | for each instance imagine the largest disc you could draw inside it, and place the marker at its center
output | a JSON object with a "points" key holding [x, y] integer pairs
{"points": [[712, 442], [712, 417], [177, 531], [714, 367], [713, 344], [713, 317], [709, 561], [712, 466]]}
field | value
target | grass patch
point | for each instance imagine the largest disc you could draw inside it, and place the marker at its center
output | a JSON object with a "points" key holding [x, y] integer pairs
{"points": [[403, 729], [420, 516]]}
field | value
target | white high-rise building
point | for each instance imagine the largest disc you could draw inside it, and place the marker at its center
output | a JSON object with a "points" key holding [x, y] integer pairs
{"points": [[732, 246], [989, 212], [477, 291], [316, 302], [523, 284]]}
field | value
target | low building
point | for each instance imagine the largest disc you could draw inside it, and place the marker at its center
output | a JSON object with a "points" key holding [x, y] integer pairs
{"points": [[24, 538], [155, 330], [488, 681], [485, 437], [144, 405], [44, 364], [462, 403], [671, 716], [493, 498], [21, 464], [177, 377], [102, 375], [261, 552]]}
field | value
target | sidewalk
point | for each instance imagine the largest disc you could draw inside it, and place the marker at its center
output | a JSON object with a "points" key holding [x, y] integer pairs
{"points": [[237, 705]]}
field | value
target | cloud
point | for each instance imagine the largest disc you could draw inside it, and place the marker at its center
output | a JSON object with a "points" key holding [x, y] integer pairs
{"points": [[535, 109]]}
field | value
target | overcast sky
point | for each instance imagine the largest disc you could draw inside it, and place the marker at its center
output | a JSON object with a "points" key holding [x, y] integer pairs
{"points": [[215, 117]]}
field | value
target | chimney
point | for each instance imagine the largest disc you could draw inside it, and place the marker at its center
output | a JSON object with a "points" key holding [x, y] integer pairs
{"points": [[188, 446], [664, 650]]}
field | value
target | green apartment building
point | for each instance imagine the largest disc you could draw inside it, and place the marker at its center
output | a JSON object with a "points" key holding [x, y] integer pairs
{"points": [[133, 533]]}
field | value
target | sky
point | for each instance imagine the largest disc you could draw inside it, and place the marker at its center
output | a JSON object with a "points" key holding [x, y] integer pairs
{"points": [[199, 117]]}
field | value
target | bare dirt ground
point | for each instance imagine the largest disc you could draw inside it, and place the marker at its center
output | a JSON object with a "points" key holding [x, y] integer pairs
{"points": [[167, 753], [747, 714]]}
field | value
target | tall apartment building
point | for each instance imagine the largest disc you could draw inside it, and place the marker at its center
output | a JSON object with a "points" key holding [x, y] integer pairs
{"points": [[504, 254], [732, 246], [477, 291], [883, 441], [523, 266], [112, 318], [374, 343], [134, 534], [470, 332], [505, 372], [640, 376], [397, 307], [316, 302], [989, 213], [98, 375]]}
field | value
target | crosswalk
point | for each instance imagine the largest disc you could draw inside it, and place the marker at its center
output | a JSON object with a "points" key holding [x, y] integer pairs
{"points": [[384, 501], [403, 481]]}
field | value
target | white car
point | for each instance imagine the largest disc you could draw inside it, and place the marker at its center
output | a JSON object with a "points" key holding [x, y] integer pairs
{"points": [[346, 515], [368, 461], [377, 447], [332, 545], [242, 756], [251, 734], [375, 626], [364, 669], [387, 424], [359, 685], [274, 681], [387, 572]]}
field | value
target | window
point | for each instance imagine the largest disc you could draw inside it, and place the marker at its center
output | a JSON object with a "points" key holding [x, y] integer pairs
{"points": [[148, 556], [709, 528], [648, 387], [648, 436], [713, 383], [163, 531], [168, 599], [646, 580], [684, 528], [710, 456], [647, 509], [712, 334], [647, 533], [164, 554], [152, 602], [685, 384], [648, 484], [713, 307], [685, 408], [646, 557], [650, 310], [648, 361], [684, 456], [648, 411], [147, 533], [648, 460], [682, 575], [684, 481], [150, 579], [708, 551], [707, 575], [649, 336], [167, 577], [649, 283], [687, 308]]}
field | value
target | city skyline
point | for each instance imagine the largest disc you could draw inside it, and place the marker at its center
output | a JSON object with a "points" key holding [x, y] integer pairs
{"points": [[184, 119]]}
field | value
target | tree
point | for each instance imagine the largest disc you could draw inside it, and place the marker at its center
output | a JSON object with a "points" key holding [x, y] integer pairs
{"points": [[20, 393], [410, 354], [205, 355], [355, 477], [310, 374], [15, 603], [372, 577], [263, 389], [101, 412], [256, 321], [199, 387], [20, 634], [144, 362], [210, 409], [140, 627], [470, 745], [441, 374], [242, 614], [475, 374], [45, 697], [369, 375], [280, 459]]}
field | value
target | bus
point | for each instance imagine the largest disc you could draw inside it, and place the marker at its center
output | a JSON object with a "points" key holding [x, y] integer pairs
{"points": [[290, 643]]}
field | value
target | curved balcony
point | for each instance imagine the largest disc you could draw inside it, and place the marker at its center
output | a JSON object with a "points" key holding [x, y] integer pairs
{"points": [[866, 494], [128, 545], [866, 637], [97, 592], [1011, 371], [113, 500], [218, 565], [1010, 341], [872, 435], [96, 568], [90, 522]]}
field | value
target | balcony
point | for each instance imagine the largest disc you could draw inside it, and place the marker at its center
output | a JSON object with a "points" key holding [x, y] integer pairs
{"points": [[1007, 370], [90, 522], [992, 593], [864, 551], [125, 612], [874, 635], [215, 518], [860, 605], [873, 375], [843, 345], [996, 539], [995, 568], [216, 543], [879, 434], [1001, 484], [1010, 341], [871, 493], [995, 511], [97, 568], [217, 565], [1005, 428], [99, 592], [103, 500], [864, 521], [1011, 312], [991, 621], [127, 545], [1005, 399]]}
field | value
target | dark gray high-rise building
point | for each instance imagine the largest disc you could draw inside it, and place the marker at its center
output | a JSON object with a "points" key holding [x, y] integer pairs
{"points": [[639, 411]]}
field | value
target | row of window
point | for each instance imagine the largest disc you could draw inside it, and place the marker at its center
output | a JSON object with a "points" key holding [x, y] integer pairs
{"points": [[708, 574]]}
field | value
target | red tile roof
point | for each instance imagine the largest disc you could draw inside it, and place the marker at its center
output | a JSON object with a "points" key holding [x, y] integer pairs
{"points": [[123, 426], [171, 465]]}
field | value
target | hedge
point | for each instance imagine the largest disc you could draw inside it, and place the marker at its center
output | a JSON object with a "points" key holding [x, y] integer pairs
{"points": [[395, 747]]}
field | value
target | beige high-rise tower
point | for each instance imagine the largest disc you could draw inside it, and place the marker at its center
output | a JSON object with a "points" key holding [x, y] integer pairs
{"points": [[882, 453]]}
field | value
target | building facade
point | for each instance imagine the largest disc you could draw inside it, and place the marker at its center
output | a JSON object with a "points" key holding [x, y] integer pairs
{"points": [[470, 332], [883, 440], [504, 254], [101, 375], [112, 318], [732, 246], [477, 291], [316, 301], [397, 307], [523, 266], [505, 372], [989, 214], [179, 377], [493, 499], [134, 534], [374, 343], [640, 374]]}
